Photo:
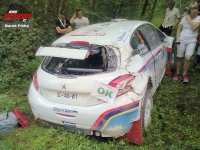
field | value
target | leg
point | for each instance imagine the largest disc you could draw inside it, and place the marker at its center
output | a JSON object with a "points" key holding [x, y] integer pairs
{"points": [[194, 64], [180, 55], [179, 64], [165, 30], [188, 55], [186, 64], [169, 32], [196, 61]]}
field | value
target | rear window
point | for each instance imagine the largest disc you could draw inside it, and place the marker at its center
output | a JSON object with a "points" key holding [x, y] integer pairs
{"points": [[101, 59]]}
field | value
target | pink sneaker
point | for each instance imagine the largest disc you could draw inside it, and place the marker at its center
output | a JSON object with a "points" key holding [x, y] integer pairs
{"points": [[185, 79], [176, 76]]}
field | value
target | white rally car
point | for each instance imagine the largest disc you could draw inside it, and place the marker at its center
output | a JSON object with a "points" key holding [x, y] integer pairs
{"points": [[100, 79]]}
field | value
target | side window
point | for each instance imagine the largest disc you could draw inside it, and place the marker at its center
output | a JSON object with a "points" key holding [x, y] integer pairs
{"points": [[150, 33], [161, 35], [138, 44]]}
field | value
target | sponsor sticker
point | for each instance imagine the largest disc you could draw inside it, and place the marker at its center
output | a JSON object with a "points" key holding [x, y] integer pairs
{"points": [[68, 124], [64, 111], [104, 92], [88, 34]]}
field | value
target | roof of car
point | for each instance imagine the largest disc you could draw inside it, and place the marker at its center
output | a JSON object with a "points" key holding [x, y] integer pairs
{"points": [[102, 33]]}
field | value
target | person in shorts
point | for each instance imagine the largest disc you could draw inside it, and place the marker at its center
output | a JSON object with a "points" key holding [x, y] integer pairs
{"points": [[198, 1], [186, 41]]}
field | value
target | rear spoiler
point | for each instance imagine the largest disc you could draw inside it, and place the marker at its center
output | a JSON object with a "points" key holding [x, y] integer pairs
{"points": [[63, 52]]}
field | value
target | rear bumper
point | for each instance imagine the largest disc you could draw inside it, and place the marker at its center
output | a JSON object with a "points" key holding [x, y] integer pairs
{"points": [[107, 119]]}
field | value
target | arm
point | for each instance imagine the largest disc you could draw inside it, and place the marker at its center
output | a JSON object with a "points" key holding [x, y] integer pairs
{"points": [[179, 19], [72, 19], [64, 31], [180, 28], [87, 22], [193, 25], [69, 29], [178, 16]]}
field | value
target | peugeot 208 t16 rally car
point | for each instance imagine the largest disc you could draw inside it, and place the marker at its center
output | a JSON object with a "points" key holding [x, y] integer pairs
{"points": [[100, 79]]}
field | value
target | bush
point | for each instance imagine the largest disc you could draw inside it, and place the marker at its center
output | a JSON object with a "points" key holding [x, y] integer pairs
{"points": [[17, 50]]}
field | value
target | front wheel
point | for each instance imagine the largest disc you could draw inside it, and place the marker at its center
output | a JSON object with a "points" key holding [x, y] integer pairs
{"points": [[146, 109]]}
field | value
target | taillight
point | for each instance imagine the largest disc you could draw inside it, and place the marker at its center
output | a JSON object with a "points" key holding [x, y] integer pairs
{"points": [[122, 83], [79, 43], [35, 81]]}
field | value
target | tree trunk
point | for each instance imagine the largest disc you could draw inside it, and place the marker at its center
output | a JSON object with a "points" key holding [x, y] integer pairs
{"points": [[152, 11], [144, 7], [94, 7]]}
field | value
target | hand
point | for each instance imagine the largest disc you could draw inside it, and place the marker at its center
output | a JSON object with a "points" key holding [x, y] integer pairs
{"points": [[188, 18], [177, 42], [74, 14]]}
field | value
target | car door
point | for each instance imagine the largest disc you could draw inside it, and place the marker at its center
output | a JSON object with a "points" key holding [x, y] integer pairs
{"points": [[153, 39], [141, 57]]}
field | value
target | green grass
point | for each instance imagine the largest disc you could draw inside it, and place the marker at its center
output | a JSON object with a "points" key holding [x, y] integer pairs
{"points": [[175, 122], [156, 21]]}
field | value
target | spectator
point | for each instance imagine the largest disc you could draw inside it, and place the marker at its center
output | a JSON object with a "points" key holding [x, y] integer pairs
{"points": [[171, 14], [198, 1], [197, 57], [186, 37], [62, 25], [80, 21]]}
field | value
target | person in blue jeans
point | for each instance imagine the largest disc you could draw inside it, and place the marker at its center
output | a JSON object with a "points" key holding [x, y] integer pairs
{"points": [[197, 57], [186, 36]]}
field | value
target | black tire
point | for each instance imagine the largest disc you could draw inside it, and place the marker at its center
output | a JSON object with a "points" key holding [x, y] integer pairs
{"points": [[146, 109]]}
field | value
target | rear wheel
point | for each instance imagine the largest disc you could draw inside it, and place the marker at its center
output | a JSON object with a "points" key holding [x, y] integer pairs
{"points": [[146, 109]]}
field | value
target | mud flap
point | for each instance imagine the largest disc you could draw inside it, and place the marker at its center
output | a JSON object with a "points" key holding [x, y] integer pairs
{"points": [[135, 133]]}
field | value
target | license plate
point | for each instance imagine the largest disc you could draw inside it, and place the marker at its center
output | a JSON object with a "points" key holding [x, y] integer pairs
{"points": [[66, 95]]}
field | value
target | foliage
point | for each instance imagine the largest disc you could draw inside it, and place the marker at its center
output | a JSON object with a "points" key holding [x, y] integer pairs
{"points": [[17, 50]]}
